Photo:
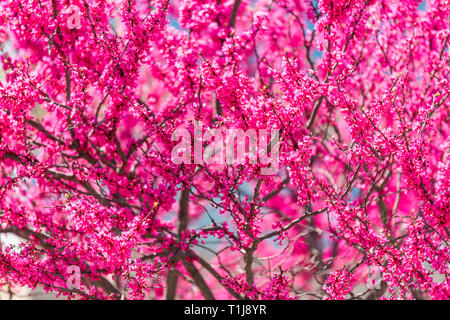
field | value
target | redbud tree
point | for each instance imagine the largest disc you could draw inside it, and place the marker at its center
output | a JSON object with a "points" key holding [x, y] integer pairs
{"points": [[93, 92]]}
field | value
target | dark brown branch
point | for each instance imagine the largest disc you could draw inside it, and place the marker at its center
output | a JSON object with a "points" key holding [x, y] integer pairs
{"points": [[198, 280], [183, 220], [234, 12]]}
